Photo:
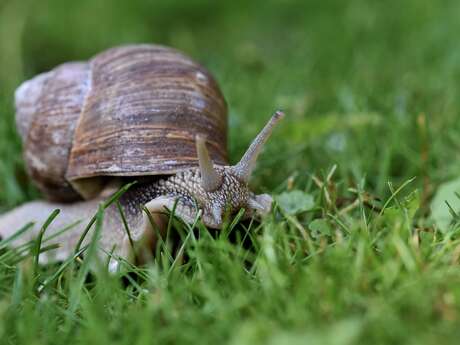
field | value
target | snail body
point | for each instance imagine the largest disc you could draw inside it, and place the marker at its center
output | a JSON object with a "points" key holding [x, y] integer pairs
{"points": [[142, 112]]}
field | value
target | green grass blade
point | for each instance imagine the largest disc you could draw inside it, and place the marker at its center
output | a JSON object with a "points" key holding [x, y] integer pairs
{"points": [[38, 241], [105, 204]]}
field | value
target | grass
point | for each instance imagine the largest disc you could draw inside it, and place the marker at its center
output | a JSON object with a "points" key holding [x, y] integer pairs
{"points": [[353, 252]]}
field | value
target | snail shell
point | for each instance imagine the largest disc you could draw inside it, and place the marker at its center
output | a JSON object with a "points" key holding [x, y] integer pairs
{"points": [[129, 111]]}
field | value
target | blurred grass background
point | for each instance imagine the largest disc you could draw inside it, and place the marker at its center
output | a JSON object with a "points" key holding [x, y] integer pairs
{"points": [[352, 76], [369, 86]]}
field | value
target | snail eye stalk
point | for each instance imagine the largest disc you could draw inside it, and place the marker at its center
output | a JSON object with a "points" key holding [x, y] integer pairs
{"points": [[210, 178], [244, 168]]}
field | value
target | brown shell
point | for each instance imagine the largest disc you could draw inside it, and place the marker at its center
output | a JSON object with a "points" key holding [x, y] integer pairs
{"points": [[130, 111]]}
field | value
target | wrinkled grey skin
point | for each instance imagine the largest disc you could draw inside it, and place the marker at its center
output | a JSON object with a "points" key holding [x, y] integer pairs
{"points": [[230, 197], [209, 191]]}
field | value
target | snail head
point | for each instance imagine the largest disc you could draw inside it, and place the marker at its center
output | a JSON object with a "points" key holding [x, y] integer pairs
{"points": [[222, 190]]}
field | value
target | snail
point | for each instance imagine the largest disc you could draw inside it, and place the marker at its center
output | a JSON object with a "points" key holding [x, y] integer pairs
{"points": [[137, 112]]}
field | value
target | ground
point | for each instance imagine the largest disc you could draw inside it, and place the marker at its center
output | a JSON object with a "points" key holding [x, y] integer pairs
{"points": [[361, 247]]}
